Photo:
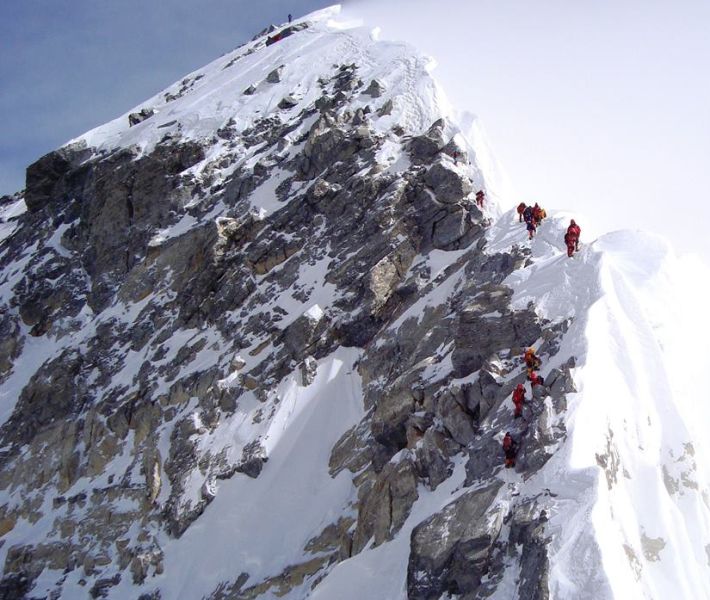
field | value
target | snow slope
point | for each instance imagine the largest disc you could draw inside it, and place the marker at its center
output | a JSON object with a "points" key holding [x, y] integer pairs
{"points": [[632, 510], [629, 502], [635, 469], [207, 99], [630, 515]]}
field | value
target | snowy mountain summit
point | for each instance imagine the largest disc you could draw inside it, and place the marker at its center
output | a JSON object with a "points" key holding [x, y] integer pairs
{"points": [[259, 341]]}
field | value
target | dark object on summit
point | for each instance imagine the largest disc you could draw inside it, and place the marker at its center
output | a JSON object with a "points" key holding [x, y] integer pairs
{"points": [[285, 32]]}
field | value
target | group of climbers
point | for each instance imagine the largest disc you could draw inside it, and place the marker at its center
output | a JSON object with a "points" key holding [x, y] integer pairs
{"points": [[532, 215], [532, 364]]}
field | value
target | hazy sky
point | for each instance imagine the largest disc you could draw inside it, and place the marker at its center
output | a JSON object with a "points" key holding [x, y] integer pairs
{"points": [[598, 106], [67, 66]]}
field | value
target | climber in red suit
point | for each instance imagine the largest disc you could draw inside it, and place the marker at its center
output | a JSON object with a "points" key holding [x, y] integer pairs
{"points": [[510, 448], [518, 400], [521, 209], [572, 237]]}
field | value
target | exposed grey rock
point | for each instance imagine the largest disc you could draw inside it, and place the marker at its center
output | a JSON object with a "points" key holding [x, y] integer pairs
{"points": [[359, 118], [283, 33], [560, 383], [288, 102], [426, 146], [390, 417], [14, 586], [353, 451], [480, 336], [101, 588], [158, 323], [541, 439], [455, 418], [253, 459], [433, 461], [250, 91], [386, 504], [55, 393], [140, 116], [527, 530], [451, 551], [448, 184], [386, 108], [387, 273], [309, 368], [300, 336], [46, 178], [11, 342], [481, 396], [275, 75], [454, 229], [454, 150], [375, 89], [485, 457]]}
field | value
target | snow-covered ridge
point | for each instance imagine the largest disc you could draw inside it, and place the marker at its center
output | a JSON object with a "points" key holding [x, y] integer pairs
{"points": [[289, 373], [247, 85], [204, 101], [634, 476]]}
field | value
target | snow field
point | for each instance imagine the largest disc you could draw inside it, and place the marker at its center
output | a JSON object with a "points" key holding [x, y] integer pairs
{"points": [[631, 423], [260, 525]]}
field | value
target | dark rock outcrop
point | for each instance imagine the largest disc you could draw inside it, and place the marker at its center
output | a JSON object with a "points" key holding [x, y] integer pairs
{"points": [[425, 147], [140, 116], [452, 550]]}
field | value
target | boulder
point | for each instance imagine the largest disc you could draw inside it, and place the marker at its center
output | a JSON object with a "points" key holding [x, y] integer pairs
{"points": [[386, 108], [451, 551], [275, 75], [447, 182], [375, 89], [140, 116], [288, 102], [425, 147]]}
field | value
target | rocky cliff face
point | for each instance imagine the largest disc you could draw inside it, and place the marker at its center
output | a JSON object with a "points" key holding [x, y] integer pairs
{"points": [[282, 254]]}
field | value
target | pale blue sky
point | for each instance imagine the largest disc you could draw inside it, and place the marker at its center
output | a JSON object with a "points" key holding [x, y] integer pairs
{"points": [[67, 66]]}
